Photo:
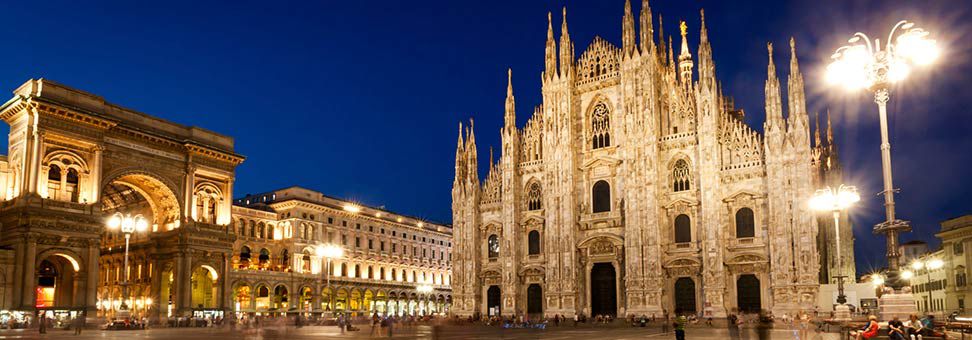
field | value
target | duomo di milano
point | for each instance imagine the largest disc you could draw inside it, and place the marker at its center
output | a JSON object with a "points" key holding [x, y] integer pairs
{"points": [[637, 188]]}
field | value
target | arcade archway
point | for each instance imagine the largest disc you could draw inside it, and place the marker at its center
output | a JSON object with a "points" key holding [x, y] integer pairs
{"points": [[55, 283]]}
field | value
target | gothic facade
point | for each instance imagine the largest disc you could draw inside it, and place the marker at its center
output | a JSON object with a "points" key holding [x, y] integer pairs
{"points": [[637, 188]]}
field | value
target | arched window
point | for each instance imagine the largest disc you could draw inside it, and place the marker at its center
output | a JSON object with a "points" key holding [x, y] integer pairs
{"points": [[534, 196], [252, 228], [745, 226], [270, 235], [681, 177], [533, 242], [245, 255], [54, 182], [71, 185], [493, 246], [264, 256], [600, 127], [344, 270], [683, 229], [601, 194], [262, 230]]}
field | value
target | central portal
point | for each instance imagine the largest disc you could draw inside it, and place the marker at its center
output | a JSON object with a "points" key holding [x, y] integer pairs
{"points": [[604, 297]]}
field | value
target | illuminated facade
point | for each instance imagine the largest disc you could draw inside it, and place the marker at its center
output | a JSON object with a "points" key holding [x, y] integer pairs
{"points": [[388, 257], [75, 159], [637, 188]]}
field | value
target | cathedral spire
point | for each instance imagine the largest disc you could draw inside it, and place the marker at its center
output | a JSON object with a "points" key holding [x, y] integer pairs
{"points": [[830, 131], [816, 130], [510, 117], [661, 39], [706, 66], [774, 110], [797, 108], [628, 30], [566, 49], [472, 169], [646, 29], [551, 49], [685, 58], [459, 157]]}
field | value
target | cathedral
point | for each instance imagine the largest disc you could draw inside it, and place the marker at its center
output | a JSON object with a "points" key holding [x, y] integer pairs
{"points": [[636, 188]]}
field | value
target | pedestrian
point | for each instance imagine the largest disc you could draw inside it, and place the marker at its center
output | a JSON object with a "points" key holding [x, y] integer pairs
{"points": [[679, 325], [43, 323], [575, 319], [78, 324], [732, 322], [896, 329], [375, 325], [869, 331], [765, 323]]}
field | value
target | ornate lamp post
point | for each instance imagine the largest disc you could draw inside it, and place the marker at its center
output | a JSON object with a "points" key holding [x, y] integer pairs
{"points": [[867, 64], [329, 252], [835, 200], [128, 225], [928, 265]]}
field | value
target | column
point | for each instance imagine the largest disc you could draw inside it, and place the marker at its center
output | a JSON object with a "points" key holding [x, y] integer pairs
{"points": [[28, 278]]}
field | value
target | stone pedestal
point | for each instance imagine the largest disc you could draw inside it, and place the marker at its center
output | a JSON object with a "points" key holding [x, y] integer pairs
{"points": [[842, 313], [900, 304]]}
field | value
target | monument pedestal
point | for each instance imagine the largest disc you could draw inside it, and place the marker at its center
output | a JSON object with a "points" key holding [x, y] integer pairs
{"points": [[842, 313], [900, 304]]}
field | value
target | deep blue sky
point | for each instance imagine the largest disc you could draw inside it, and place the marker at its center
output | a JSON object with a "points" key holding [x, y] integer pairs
{"points": [[361, 99]]}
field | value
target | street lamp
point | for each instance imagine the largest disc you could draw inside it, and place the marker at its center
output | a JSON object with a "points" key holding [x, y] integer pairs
{"points": [[128, 224], [928, 265], [835, 200], [863, 64], [329, 252]]}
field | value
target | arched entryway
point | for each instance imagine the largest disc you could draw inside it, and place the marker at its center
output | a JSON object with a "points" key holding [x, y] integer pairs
{"points": [[685, 295], [204, 288], [748, 293], [534, 299], [604, 292], [493, 298], [55, 284]]}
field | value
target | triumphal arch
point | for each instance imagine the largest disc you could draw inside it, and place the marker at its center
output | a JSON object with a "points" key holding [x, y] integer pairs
{"points": [[74, 160]]}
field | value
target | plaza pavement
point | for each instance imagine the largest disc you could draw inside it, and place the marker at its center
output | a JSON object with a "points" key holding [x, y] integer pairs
{"points": [[461, 332]]}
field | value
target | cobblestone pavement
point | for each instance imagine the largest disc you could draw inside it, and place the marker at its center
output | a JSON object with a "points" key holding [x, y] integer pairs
{"points": [[467, 332]]}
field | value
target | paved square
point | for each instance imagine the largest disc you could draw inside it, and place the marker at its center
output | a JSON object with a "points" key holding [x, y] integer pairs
{"points": [[465, 332]]}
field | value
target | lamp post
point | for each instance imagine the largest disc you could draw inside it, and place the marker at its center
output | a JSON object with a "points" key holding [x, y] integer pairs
{"points": [[867, 64], [928, 265], [128, 224], [835, 200], [329, 252]]}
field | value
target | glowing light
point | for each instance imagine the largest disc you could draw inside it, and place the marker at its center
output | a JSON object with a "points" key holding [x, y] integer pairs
{"points": [[907, 274], [935, 264], [917, 265], [351, 208], [114, 221], [830, 199], [330, 251], [148, 301], [877, 280], [420, 224]]}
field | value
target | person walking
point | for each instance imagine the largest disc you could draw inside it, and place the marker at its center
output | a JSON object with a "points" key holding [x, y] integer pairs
{"points": [[765, 323], [42, 325], [78, 324], [732, 322], [679, 325]]}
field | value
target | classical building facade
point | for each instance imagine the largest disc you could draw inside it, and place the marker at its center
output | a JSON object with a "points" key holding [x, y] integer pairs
{"points": [[956, 252], [637, 188], [275, 266], [74, 160]]}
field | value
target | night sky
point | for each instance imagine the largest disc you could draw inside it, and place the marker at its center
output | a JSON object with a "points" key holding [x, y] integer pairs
{"points": [[361, 100]]}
